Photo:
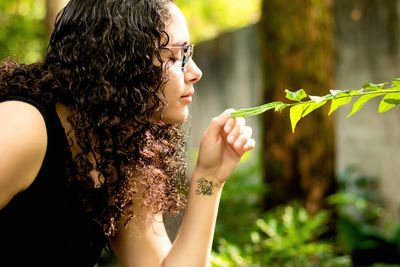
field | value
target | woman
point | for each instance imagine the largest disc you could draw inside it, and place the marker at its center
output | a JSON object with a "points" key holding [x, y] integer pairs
{"points": [[92, 146]]}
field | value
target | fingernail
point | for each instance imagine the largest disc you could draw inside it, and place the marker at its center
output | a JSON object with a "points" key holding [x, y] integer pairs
{"points": [[231, 138]]}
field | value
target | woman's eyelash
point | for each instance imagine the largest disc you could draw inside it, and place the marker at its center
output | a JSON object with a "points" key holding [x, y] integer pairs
{"points": [[173, 58]]}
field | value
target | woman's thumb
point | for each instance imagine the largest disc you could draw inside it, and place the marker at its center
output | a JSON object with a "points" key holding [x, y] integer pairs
{"points": [[218, 123]]}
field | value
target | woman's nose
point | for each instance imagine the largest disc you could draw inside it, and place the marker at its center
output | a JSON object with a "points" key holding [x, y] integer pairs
{"points": [[193, 73]]}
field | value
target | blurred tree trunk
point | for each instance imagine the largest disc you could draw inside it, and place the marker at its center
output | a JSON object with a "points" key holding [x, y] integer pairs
{"points": [[297, 52], [53, 7]]}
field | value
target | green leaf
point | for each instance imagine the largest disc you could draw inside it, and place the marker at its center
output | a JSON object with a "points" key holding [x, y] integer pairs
{"points": [[296, 113], [256, 110], [396, 82], [313, 106], [373, 86], [295, 96], [361, 101], [266, 228], [389, 102], [341, 99]]}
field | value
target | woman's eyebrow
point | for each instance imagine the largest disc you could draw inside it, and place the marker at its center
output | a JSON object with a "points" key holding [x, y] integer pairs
{"points": [[179, 43]]}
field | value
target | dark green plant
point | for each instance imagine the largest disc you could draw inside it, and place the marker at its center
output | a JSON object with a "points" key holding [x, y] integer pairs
{"points": [[241, 200], [285, 236], [385, 265], [230, 255], [360, 230], [300, 108]]}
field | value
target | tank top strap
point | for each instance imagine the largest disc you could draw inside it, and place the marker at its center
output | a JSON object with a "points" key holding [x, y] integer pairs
{"points": [[56, 139]]}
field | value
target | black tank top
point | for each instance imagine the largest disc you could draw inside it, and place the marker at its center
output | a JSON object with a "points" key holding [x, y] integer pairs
{"points": [[45, 225]]}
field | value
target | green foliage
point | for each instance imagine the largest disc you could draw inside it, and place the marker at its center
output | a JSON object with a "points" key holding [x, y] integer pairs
{"points": [[285, 236], [341, 99], [22, 30], [357, 209], [296, 112], [229, 255], [396, 81], [261, 109], [207, 18], [338, 98], [361, 101], [361, 231], [240, 202], [295, 96], [385, 265], [23, 33], [389, 102]]}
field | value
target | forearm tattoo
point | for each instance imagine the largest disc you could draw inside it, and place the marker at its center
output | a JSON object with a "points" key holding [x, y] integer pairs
{"points": [[205, 187]]}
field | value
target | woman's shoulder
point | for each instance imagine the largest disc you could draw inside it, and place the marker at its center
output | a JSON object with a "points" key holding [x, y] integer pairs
{"points": [[23, 143], [23, 118]]}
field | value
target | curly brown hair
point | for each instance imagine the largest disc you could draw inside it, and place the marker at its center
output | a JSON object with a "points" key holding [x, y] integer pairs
{"points": [[100, 63]]}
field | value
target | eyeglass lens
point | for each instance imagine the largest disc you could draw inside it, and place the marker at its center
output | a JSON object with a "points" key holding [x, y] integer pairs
{"points": [[187, 55]]}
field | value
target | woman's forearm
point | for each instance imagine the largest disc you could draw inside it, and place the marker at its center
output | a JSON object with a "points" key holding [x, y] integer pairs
{"points": [[192, 245], [145, 242]]}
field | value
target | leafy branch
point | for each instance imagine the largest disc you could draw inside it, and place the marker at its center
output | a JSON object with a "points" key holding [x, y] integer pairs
{"points": [[300, 109]]}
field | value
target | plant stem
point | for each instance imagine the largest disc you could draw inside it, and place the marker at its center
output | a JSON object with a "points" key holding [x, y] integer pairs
{"points": [[261, 109]]}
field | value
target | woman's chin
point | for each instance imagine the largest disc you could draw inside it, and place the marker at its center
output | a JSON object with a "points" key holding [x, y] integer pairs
{"points": [[176, 118]]}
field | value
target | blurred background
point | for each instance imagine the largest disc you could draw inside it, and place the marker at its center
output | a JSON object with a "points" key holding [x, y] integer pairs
{"points": [[326, 195]]}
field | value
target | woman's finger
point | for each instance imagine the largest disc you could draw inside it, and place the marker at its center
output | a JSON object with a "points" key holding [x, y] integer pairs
{"points": [[248, 131], [219, 122], [243, 139], [229, 125], [239, 143], [236, 132], [251, 143]]}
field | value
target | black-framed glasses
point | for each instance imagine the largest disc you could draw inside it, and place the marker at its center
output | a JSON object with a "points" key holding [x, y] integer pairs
{"points": [[187, 54]]}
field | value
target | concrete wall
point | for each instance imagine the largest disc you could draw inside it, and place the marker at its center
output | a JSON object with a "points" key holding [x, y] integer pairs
{"points": [[367, 43]]}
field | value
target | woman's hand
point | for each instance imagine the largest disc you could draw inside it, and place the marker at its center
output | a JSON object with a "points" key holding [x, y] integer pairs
{"points": [[223, 145]]}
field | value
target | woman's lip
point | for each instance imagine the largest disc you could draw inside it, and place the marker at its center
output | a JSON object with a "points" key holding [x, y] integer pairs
{"points": [[188, 97], [189, 94]]}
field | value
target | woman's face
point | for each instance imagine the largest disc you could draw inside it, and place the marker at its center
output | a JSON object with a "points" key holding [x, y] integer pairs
{"points": [[179, 88]]}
